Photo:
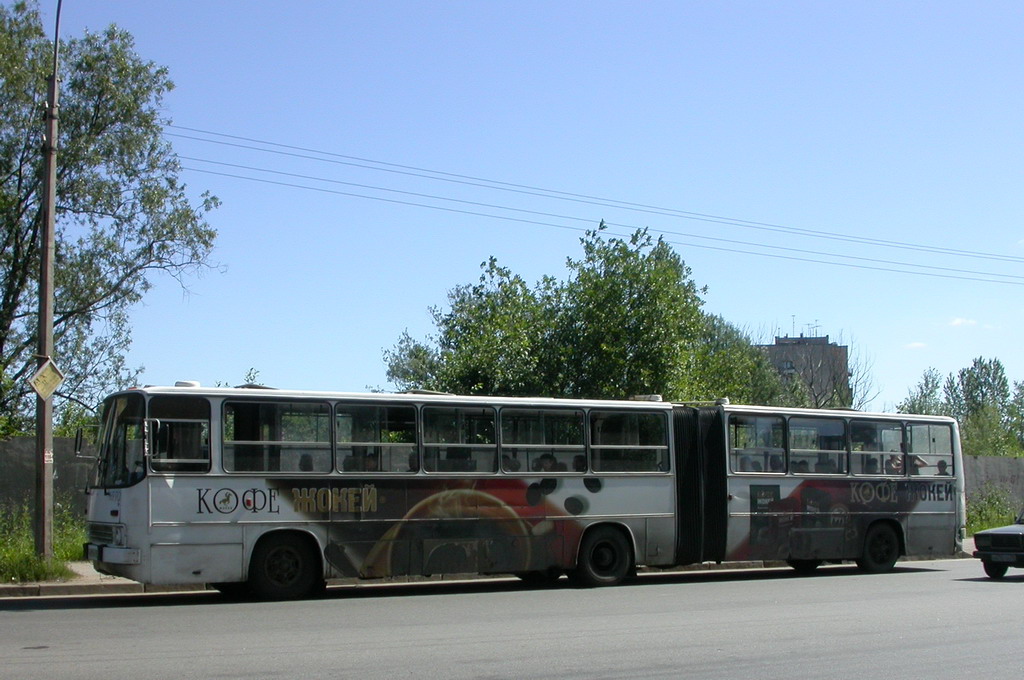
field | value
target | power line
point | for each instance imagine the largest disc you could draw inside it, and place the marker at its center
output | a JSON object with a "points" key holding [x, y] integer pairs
{"points": [[873, 261], [383, 166], [583, 229]]}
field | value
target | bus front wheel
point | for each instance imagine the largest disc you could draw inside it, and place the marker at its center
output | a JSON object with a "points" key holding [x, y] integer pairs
{"points": [[605, 558], [881, 549], [284, 568]]}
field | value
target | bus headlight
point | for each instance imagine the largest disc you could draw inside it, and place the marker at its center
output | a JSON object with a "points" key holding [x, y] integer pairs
{"points": [[119, 538]]}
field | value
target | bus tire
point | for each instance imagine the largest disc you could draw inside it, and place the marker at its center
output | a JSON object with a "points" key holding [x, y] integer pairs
{"points": [[285, 567], [605, 558], [881, 549], [993, 570], [804, 567]]}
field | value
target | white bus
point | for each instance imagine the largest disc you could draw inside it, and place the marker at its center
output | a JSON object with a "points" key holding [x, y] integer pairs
{"points": [[271, 492]]}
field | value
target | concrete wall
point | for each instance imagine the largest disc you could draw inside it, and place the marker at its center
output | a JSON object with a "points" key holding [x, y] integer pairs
{"points": [[987, 471], [18, 472]]}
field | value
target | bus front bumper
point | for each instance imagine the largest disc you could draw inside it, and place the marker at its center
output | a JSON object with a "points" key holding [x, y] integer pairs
{"points": [[110, 554]]}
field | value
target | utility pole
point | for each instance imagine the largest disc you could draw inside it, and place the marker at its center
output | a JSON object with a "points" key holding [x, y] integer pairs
{"points": [[44, 354]]}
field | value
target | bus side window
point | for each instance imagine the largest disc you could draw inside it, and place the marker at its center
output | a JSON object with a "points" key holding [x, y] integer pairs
{"points": [[930, 449], [757, 444], [376, 437], [877, 447], [267, 436], [459, 439], [628, 442], [179, 434], [542, 440], [818, 445]]}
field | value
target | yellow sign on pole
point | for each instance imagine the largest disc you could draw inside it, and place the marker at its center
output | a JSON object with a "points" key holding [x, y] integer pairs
{"points": [[46, 380]]}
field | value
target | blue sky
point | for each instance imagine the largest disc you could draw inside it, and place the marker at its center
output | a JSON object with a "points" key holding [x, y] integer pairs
{"points": [[862, 122]]}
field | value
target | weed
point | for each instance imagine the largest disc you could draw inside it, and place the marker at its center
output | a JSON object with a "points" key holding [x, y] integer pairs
{"points": [[990, 506], [18, 559]]}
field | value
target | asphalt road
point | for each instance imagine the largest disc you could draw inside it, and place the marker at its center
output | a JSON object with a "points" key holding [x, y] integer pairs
{"points": [[940, 619]]}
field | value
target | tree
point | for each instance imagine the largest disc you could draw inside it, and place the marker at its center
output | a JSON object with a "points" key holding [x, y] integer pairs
{"points": [[978, 396], [729, 365], [1015, 414], [979, 388], [627, 321], [926, 398], [492, 337], [123, 214]]}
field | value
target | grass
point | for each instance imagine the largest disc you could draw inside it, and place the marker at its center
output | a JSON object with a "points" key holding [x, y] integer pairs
{"points": [[18, 560], [988, 507]]}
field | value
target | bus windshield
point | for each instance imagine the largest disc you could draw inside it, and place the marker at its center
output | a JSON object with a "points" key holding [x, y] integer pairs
{"points": [[121, 449]]}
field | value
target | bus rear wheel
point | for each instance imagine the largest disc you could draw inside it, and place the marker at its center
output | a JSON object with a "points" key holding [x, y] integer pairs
{"points": [[605, 558], [881, 549], [284, 568]]}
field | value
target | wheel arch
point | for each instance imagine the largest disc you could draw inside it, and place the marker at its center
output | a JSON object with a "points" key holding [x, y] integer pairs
{"points": [[303, 534], [620, 527]]}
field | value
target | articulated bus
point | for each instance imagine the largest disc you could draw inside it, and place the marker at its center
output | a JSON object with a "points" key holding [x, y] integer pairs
{"points": [[272, 492]]}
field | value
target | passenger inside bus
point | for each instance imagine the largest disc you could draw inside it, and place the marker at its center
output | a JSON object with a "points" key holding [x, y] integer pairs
{"points": [[894, 466], [546, 463], [748, 464]]}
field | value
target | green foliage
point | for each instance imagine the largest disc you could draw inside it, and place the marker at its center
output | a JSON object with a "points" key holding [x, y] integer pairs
{"points": [[1015, 414], [926, 397], [988, 507], [18, 559], [492, 339], [983, 432], [979, 397], [75, 416], [728, 364], [976, 389], [627, 321], [413, 365], [122, 213]]}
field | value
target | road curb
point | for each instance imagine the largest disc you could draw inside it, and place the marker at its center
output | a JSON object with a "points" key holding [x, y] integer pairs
{"points": [[112, 585], [72, 589]]}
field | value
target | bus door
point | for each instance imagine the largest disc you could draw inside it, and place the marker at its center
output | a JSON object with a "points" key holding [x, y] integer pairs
{"points": [[701, 485]]}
